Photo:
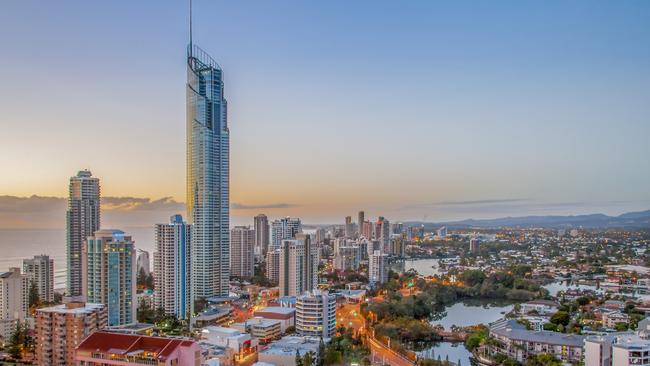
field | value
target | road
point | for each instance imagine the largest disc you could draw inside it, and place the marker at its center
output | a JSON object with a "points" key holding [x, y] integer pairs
{"points": [[349, 316], [382, 355]]}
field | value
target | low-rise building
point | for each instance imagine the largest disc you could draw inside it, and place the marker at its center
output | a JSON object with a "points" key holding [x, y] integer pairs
{"points": [[264, 330], [283, 351], [216, 315], [286, 316], [515, 341], [617, 349], [612, 318], [106, 348], [541, 307], [233, 339]]}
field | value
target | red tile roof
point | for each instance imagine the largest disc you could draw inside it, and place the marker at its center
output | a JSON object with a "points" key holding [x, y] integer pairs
{"points": [[123, 344]]}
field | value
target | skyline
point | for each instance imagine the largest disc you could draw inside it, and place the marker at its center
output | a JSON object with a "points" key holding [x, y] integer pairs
{"points": [[458, 118]]}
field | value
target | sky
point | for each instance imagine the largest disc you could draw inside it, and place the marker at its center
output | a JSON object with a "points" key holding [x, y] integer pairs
{"points": [[434, 110]]}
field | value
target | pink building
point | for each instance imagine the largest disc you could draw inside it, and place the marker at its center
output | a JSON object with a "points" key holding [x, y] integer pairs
{"points": [[105, 348]]}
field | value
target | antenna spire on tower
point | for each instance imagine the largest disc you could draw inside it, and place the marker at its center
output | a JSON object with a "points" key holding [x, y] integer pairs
{"points": [[191, 28]]}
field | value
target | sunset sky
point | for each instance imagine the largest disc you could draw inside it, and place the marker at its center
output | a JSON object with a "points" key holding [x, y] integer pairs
{"points": [[412, 110]]}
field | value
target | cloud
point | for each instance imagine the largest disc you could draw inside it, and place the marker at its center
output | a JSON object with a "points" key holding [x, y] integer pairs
{"points": [[49, 212], [141, 204], [242, 206]]}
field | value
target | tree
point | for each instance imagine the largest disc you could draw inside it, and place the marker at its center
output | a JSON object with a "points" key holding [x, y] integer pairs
{"points": [[561, 317], [543, 359], [141, 280], [298, 359], [34, 297], [20, 341], [308, 359], [200, 304], [321, 353], [149, 282]]}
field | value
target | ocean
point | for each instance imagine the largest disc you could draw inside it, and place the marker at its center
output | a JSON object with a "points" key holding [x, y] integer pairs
{"points": [[19, 244]]}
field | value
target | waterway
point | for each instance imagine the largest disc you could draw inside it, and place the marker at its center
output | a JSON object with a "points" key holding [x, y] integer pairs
{"points": [[453, 351], [462, 314], [555, 287], [472, 312]]}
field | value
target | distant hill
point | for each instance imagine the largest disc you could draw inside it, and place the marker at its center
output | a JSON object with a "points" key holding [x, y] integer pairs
{"points": [[628, 220]]}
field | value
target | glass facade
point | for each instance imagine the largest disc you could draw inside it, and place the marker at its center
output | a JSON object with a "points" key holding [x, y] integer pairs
{"points": [[208, 175], [110, 275]]}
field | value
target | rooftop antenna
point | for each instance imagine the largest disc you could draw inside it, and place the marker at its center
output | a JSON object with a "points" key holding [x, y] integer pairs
{"points": [[191, 28]]}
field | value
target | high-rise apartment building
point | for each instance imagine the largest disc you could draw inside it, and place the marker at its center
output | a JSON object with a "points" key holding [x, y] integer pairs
{"points": [[284, 229], [316, 314], [347, 256], [377, 267], [242, 256], [474, 245], [368, 230], [273, 265], [110, 275], [208, 175], [262, 232], [60, 329], [349, 227], [143, 262], [442, 232], [397, 228], [40, 271], [83, 218], [298, 266], [14, 300], [382, 233], [361, 219], [172, 267]]}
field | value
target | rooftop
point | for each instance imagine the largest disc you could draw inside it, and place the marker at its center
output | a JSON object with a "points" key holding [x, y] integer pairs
{"points": [[66, 309], [515, 331], [277, 309], [123, 344]]}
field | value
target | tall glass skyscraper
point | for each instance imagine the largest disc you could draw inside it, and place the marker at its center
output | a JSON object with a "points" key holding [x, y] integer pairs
{"points": [[208, 175], [82, 220]]}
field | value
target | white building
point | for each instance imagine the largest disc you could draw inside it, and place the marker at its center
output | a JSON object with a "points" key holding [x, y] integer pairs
{"points": [[172, 267], [519, 343], [541, 307], [316, 314], [14, 300], [283, 352], [347, 255], [617, 349], [263, 329], [612, 318], [40, 271], [442, 232], [286, 316], [242, 254], [227, 337], [377, 267], [284, 229]]}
